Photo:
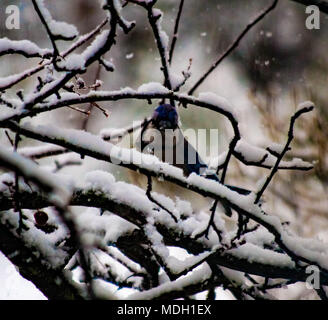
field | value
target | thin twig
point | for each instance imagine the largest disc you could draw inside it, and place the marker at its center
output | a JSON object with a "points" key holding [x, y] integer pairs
{"points": [[50, 35], [286, 148], [9, 138], [161, 47], [60, 83], [233, 45], [162, 50], [89, 110], [175, 32], [150, 197], [28, 73], [61, 165]]}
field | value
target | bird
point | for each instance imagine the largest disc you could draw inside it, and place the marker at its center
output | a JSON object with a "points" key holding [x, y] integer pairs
{"points": [[162, 136]]}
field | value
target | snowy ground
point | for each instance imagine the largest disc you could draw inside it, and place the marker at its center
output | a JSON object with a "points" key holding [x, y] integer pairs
{"points": [[13, 286]]}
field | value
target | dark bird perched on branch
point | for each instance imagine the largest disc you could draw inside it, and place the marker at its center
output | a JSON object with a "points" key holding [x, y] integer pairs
{"points": [[162, 137]]}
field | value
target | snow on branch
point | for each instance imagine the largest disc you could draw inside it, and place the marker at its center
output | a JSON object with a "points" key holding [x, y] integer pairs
{"points": [[90, 145], [106, 193], [252, 155], [31, 171], [9, 81], [47, 279], [57, 30], [24, 47], [92, 54], [246, 153], [155, 20]]}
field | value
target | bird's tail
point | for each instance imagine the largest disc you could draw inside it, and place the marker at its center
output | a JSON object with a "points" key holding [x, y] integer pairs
{"points": [[242, 191]]}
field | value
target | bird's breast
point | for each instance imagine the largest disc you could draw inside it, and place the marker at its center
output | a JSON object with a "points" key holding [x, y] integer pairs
{"points": [[162, 144]]}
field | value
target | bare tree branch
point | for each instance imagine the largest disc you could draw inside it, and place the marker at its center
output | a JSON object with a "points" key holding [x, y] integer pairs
{"points": [[172, 236], [286, 148], [233, 45], [175, 32]]}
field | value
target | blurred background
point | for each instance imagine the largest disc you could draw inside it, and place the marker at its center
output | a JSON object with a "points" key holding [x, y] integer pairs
{"points": [[278, 64]]}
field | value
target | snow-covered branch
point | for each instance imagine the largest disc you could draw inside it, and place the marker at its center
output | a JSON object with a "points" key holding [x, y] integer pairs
{"points": [[50, 281], [10, 81], [161, 38], [23, 47], [247, 258], [90, 145]]}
